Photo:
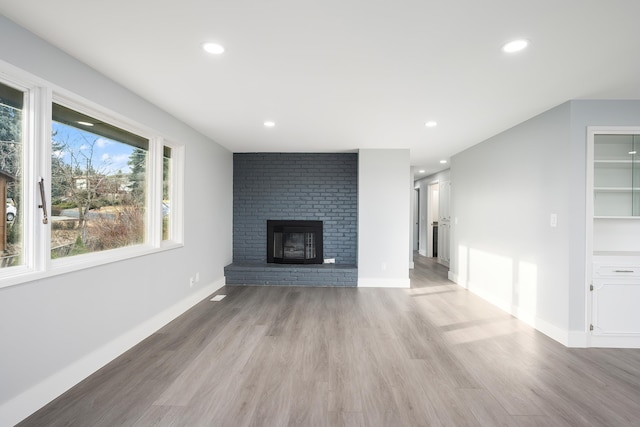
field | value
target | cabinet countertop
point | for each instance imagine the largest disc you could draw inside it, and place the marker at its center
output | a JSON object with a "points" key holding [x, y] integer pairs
{"points": [[609, 255]]}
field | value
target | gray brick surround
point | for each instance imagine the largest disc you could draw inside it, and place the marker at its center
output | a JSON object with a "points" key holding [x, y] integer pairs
{"points": [[295, 186]]}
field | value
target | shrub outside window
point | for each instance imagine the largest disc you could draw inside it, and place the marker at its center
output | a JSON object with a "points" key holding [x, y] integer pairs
{"points": [[98, 185]]}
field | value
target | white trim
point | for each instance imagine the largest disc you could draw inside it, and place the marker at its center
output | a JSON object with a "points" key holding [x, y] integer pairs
{"points": [[176, 199], [587, 339], [384, 283], [589, 211], [18, 275], [577, 339], [26, 403], [613, 341], [453, 277], [429, 217], [552, 331], [154, 192]]}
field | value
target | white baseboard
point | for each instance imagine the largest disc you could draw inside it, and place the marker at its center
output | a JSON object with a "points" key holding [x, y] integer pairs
{"points": [[613, 341], [18, 408], [383, 283], [453, 277], [552, 331], [578, 339]]}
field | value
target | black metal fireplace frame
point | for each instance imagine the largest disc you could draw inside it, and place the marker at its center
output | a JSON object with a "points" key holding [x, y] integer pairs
{"points": [[295, 226]]}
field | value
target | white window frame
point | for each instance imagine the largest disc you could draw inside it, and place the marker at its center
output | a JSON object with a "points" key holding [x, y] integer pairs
{"points": [[176, 191], [37, 125]]}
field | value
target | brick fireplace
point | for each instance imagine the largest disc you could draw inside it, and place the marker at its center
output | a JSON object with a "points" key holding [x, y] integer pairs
{"points": [[320, 187]]}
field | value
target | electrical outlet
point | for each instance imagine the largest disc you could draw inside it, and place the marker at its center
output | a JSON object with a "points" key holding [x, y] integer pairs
{"points": [[191, 281]]}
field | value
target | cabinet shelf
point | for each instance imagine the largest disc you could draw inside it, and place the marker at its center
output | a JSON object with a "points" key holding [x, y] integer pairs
{"points": [[616, 217], [616, 175], [616, 189], [616, 164]]}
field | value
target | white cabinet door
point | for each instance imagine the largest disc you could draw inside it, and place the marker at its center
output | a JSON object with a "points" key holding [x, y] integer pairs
{"points": [[615, 307], [615, 298]]}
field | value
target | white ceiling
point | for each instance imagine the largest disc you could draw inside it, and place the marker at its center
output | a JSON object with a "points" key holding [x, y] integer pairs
{"points": [[338, 75]]}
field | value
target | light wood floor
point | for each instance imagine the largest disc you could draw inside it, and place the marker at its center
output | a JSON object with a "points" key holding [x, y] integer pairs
{"points": [[276, 356]]}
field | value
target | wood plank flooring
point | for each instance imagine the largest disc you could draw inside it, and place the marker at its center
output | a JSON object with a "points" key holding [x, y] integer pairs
{"points": [[434, 355]]}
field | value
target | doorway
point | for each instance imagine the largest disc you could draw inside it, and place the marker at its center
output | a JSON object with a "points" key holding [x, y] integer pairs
{"points": [[433, 209]]}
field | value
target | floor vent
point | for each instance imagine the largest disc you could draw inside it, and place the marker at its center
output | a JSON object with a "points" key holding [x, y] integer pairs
{"points": [[217, 298]]}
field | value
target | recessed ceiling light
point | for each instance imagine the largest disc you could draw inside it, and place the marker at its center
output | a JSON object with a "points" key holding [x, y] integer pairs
{"points": [[632, 152], [443, 161], [431, 124], [269, 124], [421, 171], [515, 46], [213, 48], [85, 123]]}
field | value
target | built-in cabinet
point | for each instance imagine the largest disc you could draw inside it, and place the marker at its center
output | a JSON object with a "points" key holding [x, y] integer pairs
{"points": [[613, 235]]}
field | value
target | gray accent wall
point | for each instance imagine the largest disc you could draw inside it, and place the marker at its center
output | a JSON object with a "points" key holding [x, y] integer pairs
{"points": [[295, 186]]}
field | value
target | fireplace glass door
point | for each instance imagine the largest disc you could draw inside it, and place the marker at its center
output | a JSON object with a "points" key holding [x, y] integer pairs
{"points": [[294, 242], [294, 246]]}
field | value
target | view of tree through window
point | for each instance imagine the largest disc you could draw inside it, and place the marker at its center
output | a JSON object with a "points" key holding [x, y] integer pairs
{"points": [[166, 193], [98, 182], [11, 104]]}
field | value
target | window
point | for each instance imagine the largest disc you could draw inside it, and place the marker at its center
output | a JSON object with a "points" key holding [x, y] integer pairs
{"points": [[98, 185], [11, 131], [111, 187]]}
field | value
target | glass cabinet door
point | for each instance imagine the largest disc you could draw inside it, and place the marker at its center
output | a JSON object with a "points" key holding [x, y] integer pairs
{"points": [[616, 175]]}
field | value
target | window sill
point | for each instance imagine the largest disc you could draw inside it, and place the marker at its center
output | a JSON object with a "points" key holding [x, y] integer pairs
{"points": [[21, 274]]}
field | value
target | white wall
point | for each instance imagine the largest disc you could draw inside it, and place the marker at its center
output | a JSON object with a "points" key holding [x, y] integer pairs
{"points": [[503, 247], [504, 190], [384, 217], [56, 331]]}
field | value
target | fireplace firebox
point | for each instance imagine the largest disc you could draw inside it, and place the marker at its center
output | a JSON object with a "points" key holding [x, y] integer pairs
{"points": [[294, 242]]}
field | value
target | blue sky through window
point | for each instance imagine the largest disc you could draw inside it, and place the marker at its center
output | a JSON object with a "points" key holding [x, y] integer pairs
{"points": [[108, 157]]}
